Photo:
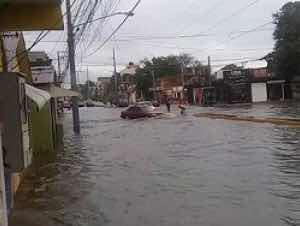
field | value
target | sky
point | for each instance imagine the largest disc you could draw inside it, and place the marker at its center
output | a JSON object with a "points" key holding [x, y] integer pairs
{"points": [[230, 31]]}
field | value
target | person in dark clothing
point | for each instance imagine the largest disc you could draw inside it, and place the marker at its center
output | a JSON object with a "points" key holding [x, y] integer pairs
{"points": [[4, 153], [181, 106], [168, 104]]}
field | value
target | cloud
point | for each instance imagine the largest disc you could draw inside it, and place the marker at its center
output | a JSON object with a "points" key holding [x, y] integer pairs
{"points": [[217, 18]]}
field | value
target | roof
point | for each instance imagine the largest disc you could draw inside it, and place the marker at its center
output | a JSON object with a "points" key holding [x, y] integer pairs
{"points": [[129, 70], [256, 64], [35, 56], [276, 82], [103, 79], [40, 97], [57, 92]]}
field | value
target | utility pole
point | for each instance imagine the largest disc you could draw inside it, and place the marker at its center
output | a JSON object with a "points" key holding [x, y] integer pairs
{"points": [[71, 49], [182, 79], [209, 71], [59, 75], [58, 68], [154, 85], [88, 82], [115, 70]]}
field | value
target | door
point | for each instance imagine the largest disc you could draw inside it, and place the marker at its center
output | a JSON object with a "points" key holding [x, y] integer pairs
{"points": [[259, 92]]}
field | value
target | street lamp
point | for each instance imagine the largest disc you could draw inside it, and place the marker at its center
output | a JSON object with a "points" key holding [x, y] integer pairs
{"points": [[130, 13]]}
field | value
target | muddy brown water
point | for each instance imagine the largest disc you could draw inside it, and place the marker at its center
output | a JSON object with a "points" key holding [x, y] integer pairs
{"points": [[170, 171]]}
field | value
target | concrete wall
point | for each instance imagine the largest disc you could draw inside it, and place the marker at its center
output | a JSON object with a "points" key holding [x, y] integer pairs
{"points": [[295, 87], [42, 134], [259, 92]]}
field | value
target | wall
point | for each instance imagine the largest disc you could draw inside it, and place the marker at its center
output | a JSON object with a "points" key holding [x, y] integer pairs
{"points": [[42, 134], [295, 87], [259, 92], [3, 214]]}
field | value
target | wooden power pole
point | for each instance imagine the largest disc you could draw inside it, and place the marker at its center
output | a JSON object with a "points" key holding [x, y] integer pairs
{"points": [[115, 70], [154, 85], [71, 49], [209, 70]]}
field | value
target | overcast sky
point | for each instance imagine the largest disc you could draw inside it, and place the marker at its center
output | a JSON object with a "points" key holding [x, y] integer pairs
{"points": [[223, 28]]}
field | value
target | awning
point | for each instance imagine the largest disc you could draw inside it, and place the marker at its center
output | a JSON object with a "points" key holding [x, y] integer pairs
{"points": [[274, 82], [40, 97], [57, 92], [29, 15]]}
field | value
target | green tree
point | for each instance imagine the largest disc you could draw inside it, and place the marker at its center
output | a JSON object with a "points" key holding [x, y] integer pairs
{"points": [[287, 36], [161, 66]]}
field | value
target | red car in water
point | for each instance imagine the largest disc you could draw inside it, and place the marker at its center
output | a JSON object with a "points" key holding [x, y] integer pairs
{"points": [[135, 112]]}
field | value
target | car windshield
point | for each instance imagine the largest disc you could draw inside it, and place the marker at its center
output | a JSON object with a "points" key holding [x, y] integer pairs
{"points": [[144, 104], [150, 112], [147, 109], [133, 109]]}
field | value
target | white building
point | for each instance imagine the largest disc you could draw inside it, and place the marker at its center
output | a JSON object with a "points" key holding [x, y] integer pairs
{"points": [[127, 80]]}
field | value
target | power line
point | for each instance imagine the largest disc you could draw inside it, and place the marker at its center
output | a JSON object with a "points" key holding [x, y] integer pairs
{"points": [[206, 12], [150, 38], [116, 30], [252, 30], [238, 12], [201, 35], [97, 32]]}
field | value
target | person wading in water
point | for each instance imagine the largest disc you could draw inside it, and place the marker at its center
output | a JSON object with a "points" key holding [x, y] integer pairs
{"points": [[181, 106], [168, 104]]}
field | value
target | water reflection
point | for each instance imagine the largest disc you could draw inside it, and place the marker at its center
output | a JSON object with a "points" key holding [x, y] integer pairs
{"points": [[175, 171], [287, 163]]}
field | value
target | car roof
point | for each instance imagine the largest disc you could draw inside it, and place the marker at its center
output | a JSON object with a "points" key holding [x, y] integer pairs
{"points": [[144, 103]]}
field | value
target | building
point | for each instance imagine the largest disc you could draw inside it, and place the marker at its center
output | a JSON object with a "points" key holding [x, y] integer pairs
{"points": [[127, 86], [16, 15], [252, 83], [264, 85], [47, 119], [198, 86], [43, 72], [103, 86]]}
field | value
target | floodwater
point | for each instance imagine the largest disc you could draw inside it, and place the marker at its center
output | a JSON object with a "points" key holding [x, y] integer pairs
{"points": [[172, 171]]}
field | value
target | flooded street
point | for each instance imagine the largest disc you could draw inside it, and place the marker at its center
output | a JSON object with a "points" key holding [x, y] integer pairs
{"points": [[174, 171]]}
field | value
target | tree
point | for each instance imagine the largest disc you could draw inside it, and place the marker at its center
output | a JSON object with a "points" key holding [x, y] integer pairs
{"points": [[287, 36], [88, 90], [144, 82], [162, 66]]}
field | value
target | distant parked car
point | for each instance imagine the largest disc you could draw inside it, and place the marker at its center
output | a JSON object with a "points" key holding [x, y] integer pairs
{"points": [[91, 103], [135, 112], [67, 104], [81, 104]]}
